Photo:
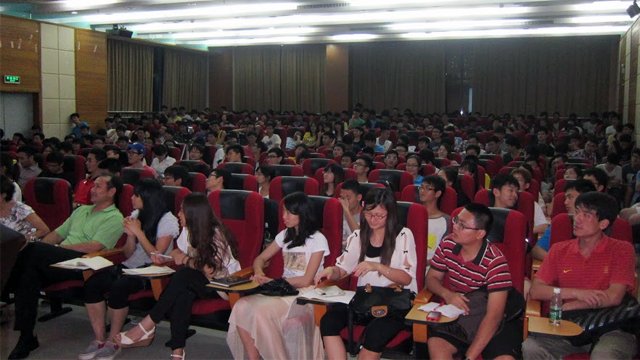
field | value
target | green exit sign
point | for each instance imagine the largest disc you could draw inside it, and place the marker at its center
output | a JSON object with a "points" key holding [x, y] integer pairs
{"points": [[12, 79]]}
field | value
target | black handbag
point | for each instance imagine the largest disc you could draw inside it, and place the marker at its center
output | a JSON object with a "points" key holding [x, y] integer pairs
{"points": [[278, 287], [371, 302], [595, 323]]}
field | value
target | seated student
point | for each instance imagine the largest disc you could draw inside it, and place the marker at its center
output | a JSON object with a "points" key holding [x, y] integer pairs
{"points": [[161, 159], [9, 167], [89, 228], [54, 168], [466, 262], [82, 193], [234, 153], [264, 175], [275, 156], [431, 191], [572, 190], [259, 325], [380, 253], [450, 176], [362, 166], [150, 229], [598, 177], [572, 172], [592, 271], [540, 222], [218, 179], [351, 201], [28, 165], [332, 176], [17, 215], [390, 159], [338, 150], [412, 166], [135, 155], [347, 159], [504, 191], [206, 250], [176, 175]]}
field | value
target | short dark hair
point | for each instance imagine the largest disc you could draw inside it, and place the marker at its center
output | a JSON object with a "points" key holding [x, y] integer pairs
{"points": [[352, 185], [6, 187], [470, 165], [236, 148], [605, 205], [55, 157], [160, 149], [29, 150], [268, 171], [100, 154], [501, 180], [367, 160], [114, 182], [178, 172], [601, 176], [225, 174], [482, 216], [580, 185], [113, 166]]}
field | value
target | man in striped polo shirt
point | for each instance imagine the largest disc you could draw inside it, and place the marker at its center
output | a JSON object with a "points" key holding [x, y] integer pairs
{"points": [[466, 262]]}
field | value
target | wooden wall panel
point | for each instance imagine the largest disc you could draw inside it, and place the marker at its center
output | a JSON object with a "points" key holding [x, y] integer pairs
{"points": [[91, 77], [20, 53]]}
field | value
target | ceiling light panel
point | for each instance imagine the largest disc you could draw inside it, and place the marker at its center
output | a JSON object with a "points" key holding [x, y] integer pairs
{"points": [[238, 33]]}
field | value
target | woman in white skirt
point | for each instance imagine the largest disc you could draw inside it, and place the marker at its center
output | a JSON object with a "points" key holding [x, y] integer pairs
{"points": [[274, 327]]}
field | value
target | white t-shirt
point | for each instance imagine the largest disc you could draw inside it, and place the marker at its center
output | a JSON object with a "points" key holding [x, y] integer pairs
{"points": [[616, 173], [538, 215], [167, 226], [296, 259], [404, 258], [272, 142], [438, 228], [346, 230], [161, 166]]}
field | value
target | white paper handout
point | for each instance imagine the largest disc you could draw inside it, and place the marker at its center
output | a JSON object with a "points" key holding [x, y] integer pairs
{"points": [[93, 263], [328, 294], [450, 311], [149, 270]]}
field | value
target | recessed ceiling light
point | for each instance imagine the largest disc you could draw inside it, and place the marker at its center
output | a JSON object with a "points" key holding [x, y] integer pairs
{"points": [[74, 13]]}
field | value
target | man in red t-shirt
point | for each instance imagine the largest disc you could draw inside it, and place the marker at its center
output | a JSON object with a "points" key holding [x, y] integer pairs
{"points": [[592, 271], [466, 262], [82, 193]]}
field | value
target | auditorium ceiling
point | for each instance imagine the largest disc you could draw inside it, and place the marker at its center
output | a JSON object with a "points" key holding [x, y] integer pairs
{"points": [[203, 24]]}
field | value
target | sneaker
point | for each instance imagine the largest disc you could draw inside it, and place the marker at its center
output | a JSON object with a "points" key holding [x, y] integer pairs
{"points": [[91, 350], [109, 351]]}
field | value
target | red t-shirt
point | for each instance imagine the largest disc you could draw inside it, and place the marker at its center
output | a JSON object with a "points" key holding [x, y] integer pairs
{"points": [[82, 194], [611, 262]]}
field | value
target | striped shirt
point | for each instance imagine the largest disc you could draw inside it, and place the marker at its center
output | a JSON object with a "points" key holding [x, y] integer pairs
{"points": [[489, 269]]}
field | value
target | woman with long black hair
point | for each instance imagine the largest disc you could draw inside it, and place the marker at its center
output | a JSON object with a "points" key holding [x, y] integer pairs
{"points": [[381, 253], [206, 250], [150, 229]]}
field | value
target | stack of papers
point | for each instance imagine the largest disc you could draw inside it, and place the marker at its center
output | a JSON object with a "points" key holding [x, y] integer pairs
{"points": [[149, 270], [93, 263], [450, 311], [329, 295]]}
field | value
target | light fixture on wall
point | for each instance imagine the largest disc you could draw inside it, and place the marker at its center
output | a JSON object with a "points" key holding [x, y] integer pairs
{"points": [[633, 10]]}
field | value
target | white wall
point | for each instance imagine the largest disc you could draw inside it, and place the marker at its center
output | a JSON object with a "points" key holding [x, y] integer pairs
{"points": [[16, 113]]}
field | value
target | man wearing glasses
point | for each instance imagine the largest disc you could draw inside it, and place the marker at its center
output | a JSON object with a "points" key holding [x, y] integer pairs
{"points": [[463, 263], [430, 193], [592, 271], [362, 166]]}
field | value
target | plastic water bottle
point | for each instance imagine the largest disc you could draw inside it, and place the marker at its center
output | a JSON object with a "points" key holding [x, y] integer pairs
{"points": [[555, 311]]}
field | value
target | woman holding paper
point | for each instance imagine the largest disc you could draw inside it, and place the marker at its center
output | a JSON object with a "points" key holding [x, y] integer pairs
{"points": [[381, 253], [206, 250], [274, 327], [150, 229]]}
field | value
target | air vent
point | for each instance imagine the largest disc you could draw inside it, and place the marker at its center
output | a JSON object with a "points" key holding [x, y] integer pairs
{"points": [[322, 6]]}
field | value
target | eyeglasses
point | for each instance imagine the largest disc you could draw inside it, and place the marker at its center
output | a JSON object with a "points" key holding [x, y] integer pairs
{"points": [[456, 221], [374, 216]]}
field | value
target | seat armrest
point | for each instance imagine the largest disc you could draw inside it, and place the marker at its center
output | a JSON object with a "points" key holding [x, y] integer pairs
{"points": [[533, 308], [105, 253], [245, 272], [424, 296]]}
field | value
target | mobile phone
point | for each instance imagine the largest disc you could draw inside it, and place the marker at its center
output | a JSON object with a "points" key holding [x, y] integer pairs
{"points": [[434, 316]]}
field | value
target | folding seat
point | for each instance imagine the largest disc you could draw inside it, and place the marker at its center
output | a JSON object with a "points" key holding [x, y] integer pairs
{"points": [[124, 201], [242, 182], [76, 165], [396, 179], [480, 177], [467, 185], [497, 159], [524, 204], [534, 188], [349, 174], [378, 165], [50, 198], [309, 166], [282, 186], [562, 229], [132, 176], [174, 196], [195, 165], [364, 187], [490, 166], [316, 155], [558, 205], [448, 200], [197, 182], [237, 168], [175, 152], [506, 170], [440, 162], [287, 170], [558, 186], [249, 160]]}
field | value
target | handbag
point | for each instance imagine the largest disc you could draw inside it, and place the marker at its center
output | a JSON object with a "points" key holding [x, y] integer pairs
{"points": [[595, 323], [277, 287], [371, 302]]}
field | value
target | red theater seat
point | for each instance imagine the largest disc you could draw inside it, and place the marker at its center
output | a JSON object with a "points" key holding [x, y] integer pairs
{"points": [[132, 176], [50, 198], [197, 182], [237, 168], [282, 186], [309, 166], [243, 182], [174, 196], [395, 179], [448, 199]]}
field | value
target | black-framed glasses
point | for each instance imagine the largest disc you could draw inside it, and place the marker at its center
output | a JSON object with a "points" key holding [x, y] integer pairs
{"points": [[456, 221]]}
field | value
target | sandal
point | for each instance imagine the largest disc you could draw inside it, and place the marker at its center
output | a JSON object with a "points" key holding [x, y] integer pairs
{"points": [[178, 357], [145, 340]]}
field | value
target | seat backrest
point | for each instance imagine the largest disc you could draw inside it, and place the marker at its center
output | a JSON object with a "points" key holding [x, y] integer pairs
{"points": [[414, 216], [467, 185], [505, 170], [480, 177], [558, 186], [490, 166], [195, 165], [50, 198], [309, 166], [242, 212], [282, 186], [124, 203], [287, 170], [349, 174], [242, 182], [448, 199], [174, 196], [562, 229], [197, 182], [76, 165], [534, 188], [237, 168], [497, 159], [558, 205], [396, 179], [364, 188], [524, 205], [132, 176], [508, 234]]}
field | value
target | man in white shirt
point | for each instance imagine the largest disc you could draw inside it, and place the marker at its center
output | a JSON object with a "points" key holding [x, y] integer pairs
{"points": [[271, 139], [161, 160], [351, 201]]}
